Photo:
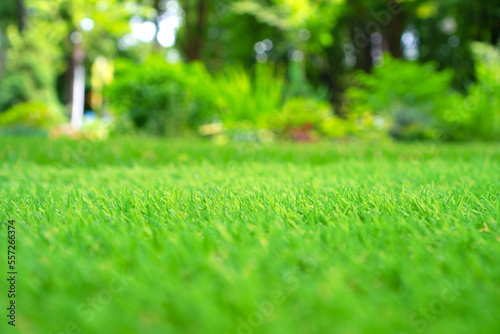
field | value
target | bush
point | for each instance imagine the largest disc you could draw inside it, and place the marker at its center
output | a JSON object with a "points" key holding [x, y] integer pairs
{"points": [[151, 95], [306, 119], [30, 115], [480, 115], [33, 63], [246, 98], [413, 96], [301, 118], [420, 104], [235, 96], [167, 98], [477, 115], [300, 111]]}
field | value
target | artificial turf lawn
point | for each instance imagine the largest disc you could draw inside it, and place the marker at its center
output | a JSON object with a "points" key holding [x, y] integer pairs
{"points": [[152, 236]]}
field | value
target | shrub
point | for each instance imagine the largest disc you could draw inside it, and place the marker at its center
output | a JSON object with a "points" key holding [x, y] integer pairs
{"points": [[481, 111], [306, 119], [300, 118], [151, 95], [299, 111], [168, 98], [33, 63], [477, 115], [237, 97], [31, 115], [246, 98], [413, 96]]}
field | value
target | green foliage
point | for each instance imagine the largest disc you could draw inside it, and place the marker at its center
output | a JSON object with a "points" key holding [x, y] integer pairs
{"points": [[477, 115], [410, 84], [300, 111], [8, 13], [299, 85], [316, 119], [310, 116], [419, 101], [481, 112], [157, 94], [246, 98], [413, 95], [236, 96], [152, 95], [31, 115], [320, 17], [318, 42], [33, 63]]}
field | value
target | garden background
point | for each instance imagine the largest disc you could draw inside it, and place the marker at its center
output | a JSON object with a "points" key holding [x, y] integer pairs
{"points": [[252, 70]]}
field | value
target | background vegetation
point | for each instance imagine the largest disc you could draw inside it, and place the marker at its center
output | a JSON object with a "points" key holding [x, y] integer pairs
{"points": [[257, 70]]}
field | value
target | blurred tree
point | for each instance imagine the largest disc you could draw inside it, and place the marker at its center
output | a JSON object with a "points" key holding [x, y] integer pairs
{"points": [[8, 15], [217, 33], [92, 29], [21, 14], [31, 51], [195, 22], [52, 32], [446, 29], [322, 42]]}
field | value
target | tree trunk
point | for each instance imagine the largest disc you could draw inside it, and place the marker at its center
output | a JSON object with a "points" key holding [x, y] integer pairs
{"points": [[3, 55], [495, 32], [396, 28], [78, 86], [21, 13], [157, 24], [195, 30], [362, 46], [68, 82]]}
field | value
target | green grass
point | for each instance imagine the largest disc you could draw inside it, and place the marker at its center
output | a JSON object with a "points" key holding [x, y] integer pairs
{"points": [[317, 238]]}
